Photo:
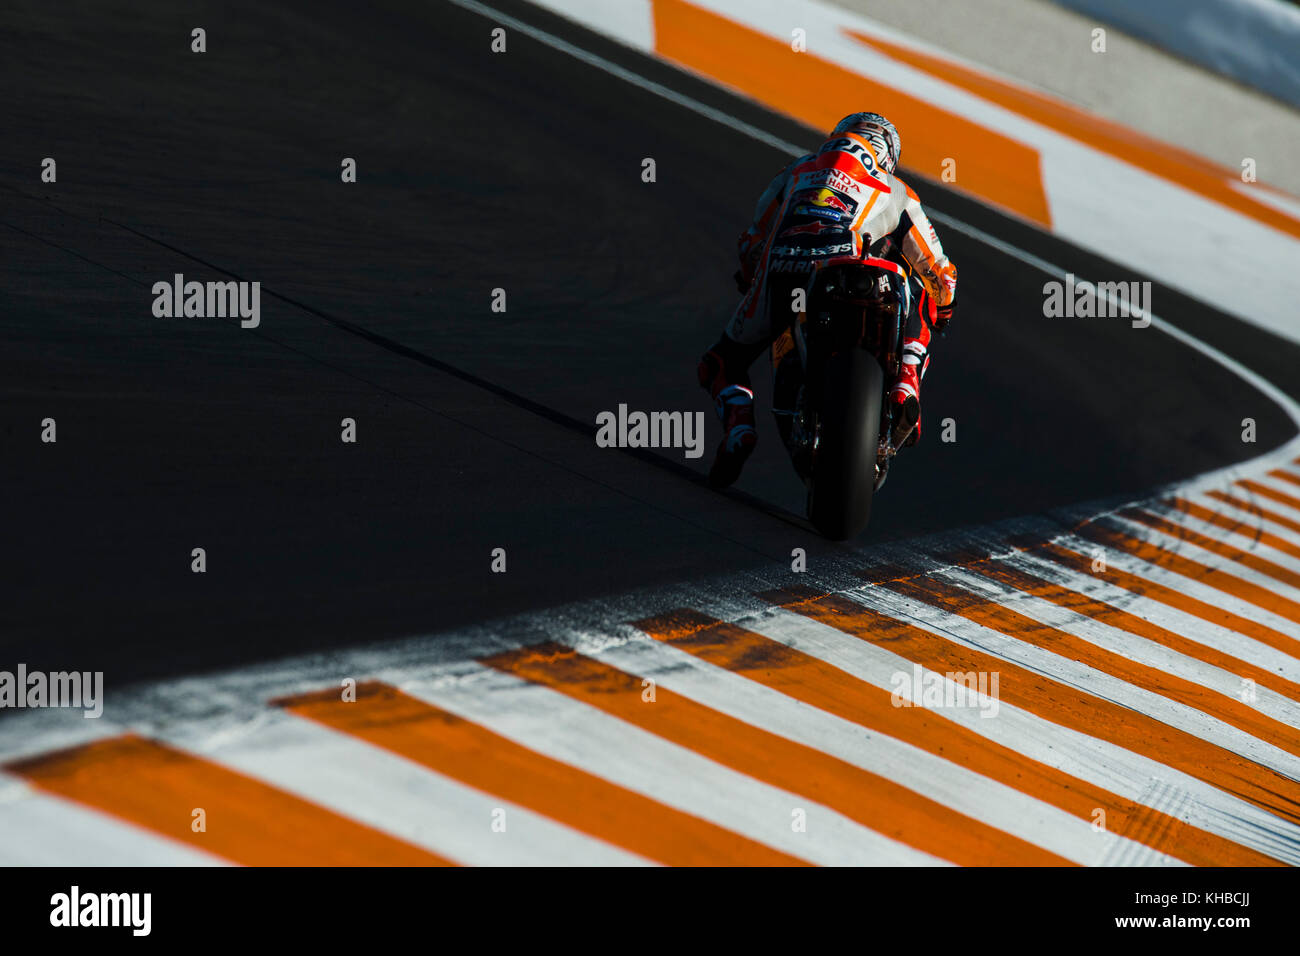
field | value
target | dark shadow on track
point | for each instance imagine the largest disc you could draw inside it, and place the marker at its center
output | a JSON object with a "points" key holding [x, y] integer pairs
{"points": [[476, 171]]}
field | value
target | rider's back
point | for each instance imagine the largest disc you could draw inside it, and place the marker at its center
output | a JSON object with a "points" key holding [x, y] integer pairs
{"points": [[838, 201]]}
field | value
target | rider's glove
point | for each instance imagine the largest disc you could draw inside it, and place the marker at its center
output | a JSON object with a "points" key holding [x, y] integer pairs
{"points": [[742, 284], [942, 316]]}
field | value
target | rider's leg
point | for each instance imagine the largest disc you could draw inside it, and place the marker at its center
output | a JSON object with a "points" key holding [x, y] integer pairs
{"points": [[905, 396], [723, 372]]}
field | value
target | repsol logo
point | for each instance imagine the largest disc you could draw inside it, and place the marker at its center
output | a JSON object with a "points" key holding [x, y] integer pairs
{"points": [[855, 149]]}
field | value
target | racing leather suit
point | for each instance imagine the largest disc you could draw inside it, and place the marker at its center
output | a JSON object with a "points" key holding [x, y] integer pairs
{"points": [[834, 202]]}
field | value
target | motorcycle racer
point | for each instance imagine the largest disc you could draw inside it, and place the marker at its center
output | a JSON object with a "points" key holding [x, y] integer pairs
{"points": [[843, 199]]}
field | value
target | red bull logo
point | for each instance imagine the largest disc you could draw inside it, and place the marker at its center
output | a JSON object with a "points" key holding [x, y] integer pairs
{"points": [[828, 200]]}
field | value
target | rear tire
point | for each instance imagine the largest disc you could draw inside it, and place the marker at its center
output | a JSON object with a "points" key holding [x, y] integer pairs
{"points": [[844, 470]]}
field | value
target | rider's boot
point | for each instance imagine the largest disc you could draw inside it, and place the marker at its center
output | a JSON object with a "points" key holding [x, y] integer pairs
{"points": [[735, 406], [905, 396]]}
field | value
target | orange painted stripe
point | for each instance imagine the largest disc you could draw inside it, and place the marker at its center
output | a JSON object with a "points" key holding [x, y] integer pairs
{"points": [[1220, 520], [1175, 599], [1215, 578], [1265, 491], [451, 745], [826, 687], [994, 167], [1058, 703], [1180, 166], [157, 787], [1233, 553], [974, 607], [1252, 508], [1115, 617], [872, 800], [1286, 475]]}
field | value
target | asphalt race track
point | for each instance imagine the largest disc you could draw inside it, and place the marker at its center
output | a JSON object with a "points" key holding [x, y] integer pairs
{"points": [[476, 171]]}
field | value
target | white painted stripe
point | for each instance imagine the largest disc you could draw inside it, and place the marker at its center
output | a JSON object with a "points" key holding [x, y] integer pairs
{"points": [[1245, 537], [1132, 647], [35, 731], [1245, 649], [1182, 547], [628, 76], [1245, 514], [568, 730], [1075, 674], [390, 793], [630, 22], [1280, 481], [943, 781], [1098, 762], [1276, 484], [41, 829], [1192, 587]]}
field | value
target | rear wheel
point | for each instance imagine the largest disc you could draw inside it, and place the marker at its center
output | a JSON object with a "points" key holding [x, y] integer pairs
{"points": [[844, 466]]}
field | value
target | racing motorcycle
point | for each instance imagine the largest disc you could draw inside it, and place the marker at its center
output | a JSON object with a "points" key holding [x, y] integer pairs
{"points": [[831, 368]]}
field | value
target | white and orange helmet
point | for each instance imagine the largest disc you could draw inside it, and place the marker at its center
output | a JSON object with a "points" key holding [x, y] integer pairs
{"points": [[877, 131]]}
